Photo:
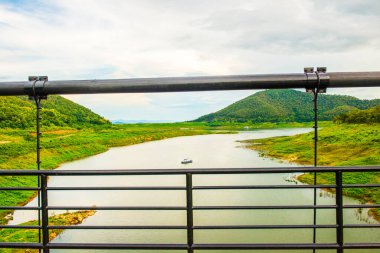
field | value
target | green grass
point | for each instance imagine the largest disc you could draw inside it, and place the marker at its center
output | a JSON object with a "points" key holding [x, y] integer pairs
{"points": [[31, 235], [339, 145]]}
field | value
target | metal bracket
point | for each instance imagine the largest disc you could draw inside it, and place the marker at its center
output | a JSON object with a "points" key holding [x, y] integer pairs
{"points": [[36, 87], [317, 80]]}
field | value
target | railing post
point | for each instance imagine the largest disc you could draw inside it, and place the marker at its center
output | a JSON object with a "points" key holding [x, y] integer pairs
{"points": [[189, 212], [315, 109], [339, 210], [34, 92], [38, 157], [45, 213], [320, 87]]}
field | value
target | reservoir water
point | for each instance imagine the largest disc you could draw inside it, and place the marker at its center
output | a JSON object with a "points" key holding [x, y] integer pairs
{"points": [[206, 151]]}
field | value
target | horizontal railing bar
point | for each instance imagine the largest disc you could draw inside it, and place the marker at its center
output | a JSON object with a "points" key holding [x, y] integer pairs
{"points": [[360, 185], [116, 208], [361, 226], [184, 171], [199, 83], [286, 246], [195, 187], [195, 246], [353, 79], [361, 246], [20, 245], [266, 246], [164, 84], [196, 227], [248, 187], [184, 208], [210, 246], [264, 227], [362, 206], [264, 207], [117, 227], [19, 208], [115, 246], [20, 188], [137, 188], [19, 226]]}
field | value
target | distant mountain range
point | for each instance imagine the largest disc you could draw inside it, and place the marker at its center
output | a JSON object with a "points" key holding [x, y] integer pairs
{"points": [[265, 106], [19, 112], [286, 106]]}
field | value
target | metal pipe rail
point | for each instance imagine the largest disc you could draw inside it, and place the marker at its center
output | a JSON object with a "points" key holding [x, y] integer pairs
{"points": [[190, 207], [200, 83]]}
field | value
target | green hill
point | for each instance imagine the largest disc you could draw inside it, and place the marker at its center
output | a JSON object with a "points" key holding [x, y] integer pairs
{"points": [[286, 106], [19, 112]]}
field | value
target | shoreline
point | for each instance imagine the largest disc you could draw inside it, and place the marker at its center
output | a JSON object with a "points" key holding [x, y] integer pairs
{"points": [[64, 219], [303, 178], [372, 212], [337, 147]]}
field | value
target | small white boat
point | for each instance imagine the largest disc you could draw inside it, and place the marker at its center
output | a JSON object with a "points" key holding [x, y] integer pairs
{"points": [[185, 161]]}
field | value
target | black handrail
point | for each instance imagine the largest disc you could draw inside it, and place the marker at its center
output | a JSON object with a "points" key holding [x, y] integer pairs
{"points": [[184, 84], [188, 188]]}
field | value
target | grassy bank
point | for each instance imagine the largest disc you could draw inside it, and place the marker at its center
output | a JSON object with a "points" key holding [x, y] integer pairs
{"points": [[31, 235], [339, 145]]}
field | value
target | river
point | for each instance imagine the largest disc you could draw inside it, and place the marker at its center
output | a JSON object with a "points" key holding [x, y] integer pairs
{"points": [[207, 151]]}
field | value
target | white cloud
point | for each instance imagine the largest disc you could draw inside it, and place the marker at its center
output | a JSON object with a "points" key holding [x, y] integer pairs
{"points": [[119, 39]]}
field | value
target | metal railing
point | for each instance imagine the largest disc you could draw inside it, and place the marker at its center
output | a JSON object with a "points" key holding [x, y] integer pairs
{"points": [[40, 85], [38, 88], [190, 225]]}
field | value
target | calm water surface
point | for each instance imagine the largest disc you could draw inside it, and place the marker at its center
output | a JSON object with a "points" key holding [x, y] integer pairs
{"points": [[207, 151]]}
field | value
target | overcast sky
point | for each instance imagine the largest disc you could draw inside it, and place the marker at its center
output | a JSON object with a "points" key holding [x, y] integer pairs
{"points": [[90, 39]]}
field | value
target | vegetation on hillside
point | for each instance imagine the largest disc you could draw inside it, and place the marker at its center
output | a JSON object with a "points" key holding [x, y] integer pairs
{"points": [[371, 115], [286, 106], [19, 112]]}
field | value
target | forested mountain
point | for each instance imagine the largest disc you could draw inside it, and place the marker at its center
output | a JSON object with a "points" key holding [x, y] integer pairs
{"points": [[286, 106], [371, 115], [19, 112]]}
